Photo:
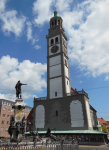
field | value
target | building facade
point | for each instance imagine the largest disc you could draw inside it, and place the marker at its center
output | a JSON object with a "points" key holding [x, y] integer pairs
{"points": [[65, 109], [94, 120], [6, 112]]}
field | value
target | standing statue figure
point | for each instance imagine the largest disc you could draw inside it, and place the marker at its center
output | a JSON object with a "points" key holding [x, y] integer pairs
{"points": [[18, 89]]}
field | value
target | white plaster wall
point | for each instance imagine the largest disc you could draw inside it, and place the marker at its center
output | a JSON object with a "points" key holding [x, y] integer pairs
{"points": [[40, 116], [55, 60], [67, 86], [66, 71], [88, 114], [54, 39], [56, 86], [76, 112], [56, 52], [55, 71], [66, 60], [65, 42]]}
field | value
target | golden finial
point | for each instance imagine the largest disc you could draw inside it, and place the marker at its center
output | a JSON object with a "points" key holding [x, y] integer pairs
{"points": [[55, 8]]}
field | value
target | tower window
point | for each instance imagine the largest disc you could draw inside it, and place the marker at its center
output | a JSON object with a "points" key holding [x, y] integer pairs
{"points": [[52, 24], [56, 40], [67, 82], [65, 63], [56, 113], [55, 93], [58, 22], [52, 41]]}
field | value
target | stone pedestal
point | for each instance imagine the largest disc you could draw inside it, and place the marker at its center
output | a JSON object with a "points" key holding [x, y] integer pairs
{"points": [[19, 106], [18, 126]]}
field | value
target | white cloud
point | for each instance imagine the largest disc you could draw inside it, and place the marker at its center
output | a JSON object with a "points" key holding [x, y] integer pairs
{"points": [[29, 31], [12, 97], [63, 5], [88, 30], [2, 5], [42, 9], [107, 78], [8, 97], [37, 47], [10, 20], [30, 36], [27, 72]]}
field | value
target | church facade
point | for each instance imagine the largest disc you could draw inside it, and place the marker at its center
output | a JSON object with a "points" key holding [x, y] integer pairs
{"points": [[64, 109]]}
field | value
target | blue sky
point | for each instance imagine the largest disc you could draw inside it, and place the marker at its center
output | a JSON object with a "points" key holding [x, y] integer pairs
{"points": [[24, 25]]}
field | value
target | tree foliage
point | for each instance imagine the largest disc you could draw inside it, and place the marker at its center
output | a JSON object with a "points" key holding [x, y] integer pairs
{"points": [[104, 128]]}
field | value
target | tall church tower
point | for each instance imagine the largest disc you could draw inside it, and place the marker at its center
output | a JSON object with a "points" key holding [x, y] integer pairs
{"points": [[65, 113], [58, 76]]}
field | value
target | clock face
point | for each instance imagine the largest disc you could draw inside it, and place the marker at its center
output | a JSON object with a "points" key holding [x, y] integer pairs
{"points": [[54, 49]]}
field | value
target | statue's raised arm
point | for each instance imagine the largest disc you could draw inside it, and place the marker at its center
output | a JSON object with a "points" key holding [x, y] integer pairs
{"points": [[18, 89], [23, 84]]}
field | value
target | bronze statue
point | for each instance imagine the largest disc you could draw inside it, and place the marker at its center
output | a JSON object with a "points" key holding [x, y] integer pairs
{"points": [[12, 121], [23, 123], [18, 89]]}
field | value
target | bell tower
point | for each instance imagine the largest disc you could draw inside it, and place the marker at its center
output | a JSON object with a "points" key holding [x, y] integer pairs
{"points": [[58, 76]]}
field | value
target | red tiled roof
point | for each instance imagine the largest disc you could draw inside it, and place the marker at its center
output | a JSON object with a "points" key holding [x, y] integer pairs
{"points": [[74, 90], [107, 122], [102, 121]]}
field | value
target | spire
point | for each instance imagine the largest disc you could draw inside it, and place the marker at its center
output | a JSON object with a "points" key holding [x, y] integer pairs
{"points": [[55, 12]]}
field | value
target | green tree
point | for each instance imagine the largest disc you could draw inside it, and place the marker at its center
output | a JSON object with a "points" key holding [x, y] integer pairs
{"points": [[104, 128]]}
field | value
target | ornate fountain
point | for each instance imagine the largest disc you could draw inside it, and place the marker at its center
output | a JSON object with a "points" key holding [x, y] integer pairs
{"points": [[17, 124]]}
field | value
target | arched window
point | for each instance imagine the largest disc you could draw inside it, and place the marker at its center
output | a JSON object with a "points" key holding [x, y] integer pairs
{"points": [[56, 40], [76, 111], [56, 113], [55, 22], [40, 116], [52, 41], [58, 22]]}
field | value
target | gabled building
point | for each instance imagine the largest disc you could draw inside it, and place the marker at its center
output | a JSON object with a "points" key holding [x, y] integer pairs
{"points": [[103, 123]]}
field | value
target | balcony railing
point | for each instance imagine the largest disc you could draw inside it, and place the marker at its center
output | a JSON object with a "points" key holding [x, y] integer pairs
{"points": [[41, 98], [68, 94], [77, 92]]}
